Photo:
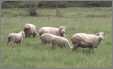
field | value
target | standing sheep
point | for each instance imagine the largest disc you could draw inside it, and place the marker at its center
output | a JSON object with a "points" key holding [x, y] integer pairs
{"points": [[84, 40], [55, 40], [16, 37], [29, 30], [53, 30]]}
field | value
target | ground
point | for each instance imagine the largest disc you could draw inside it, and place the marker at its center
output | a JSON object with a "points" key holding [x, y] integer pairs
{"points": [[33, 54]]}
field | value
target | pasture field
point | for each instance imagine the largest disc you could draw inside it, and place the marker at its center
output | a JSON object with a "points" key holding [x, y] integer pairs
{"points": [[33, 54]]}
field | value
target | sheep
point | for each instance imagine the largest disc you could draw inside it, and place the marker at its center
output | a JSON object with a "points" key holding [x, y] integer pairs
{"points": [[30, 29], [55, 40], [84, 40], [53, 30], [16, 38]]}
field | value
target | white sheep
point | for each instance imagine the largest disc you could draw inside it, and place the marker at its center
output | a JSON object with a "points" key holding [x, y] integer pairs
{"points": [[53, 30], [29, 30], [84, 40], [16, 38], [55, 40]]}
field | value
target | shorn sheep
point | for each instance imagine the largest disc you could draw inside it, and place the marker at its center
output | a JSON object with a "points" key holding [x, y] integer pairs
{"points": [[55, 40], [84, 40], [53, 30], [16, 38], [29, 30]]}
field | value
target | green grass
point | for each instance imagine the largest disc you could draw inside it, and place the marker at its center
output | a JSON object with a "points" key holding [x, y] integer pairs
{"points": [[33, 54]]}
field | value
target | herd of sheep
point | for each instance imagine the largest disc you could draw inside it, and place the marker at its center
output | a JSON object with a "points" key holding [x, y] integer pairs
{"points": [[56, 37]]}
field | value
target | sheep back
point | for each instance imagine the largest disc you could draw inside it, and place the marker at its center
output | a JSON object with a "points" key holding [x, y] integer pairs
{"points": [[52, 30]]}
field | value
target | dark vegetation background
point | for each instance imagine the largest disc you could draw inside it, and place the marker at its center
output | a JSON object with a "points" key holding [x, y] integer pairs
{"points": [[32, 6], [51, 4]]}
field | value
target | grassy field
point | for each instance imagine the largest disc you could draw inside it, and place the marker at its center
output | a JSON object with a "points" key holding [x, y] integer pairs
{"points": [[33, 54]]}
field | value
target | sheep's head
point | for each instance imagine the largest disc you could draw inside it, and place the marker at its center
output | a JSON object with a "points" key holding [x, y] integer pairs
{"points": [[22, 33], [62, 30], [101, 35], [26, 31]]}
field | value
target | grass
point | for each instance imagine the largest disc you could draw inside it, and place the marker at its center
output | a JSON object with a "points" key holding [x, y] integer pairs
{"points": [[33, 54]]}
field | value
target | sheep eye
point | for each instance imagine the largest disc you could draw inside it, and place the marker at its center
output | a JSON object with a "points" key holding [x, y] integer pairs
{"points": [[97, 33]]}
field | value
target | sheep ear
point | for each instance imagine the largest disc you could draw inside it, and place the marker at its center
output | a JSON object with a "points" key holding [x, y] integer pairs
{"points": [[62, 27], [97, 33]]}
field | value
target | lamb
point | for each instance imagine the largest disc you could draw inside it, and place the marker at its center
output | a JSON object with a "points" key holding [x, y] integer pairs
{"points": [[16, 38], [84, 40], [55, 40], [30, 29], [53, 30]]}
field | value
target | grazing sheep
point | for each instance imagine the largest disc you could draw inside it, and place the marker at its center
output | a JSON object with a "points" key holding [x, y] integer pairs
{"points": [[53, 30], [55, 40], [29, 30], [84, 40], [16, 37]]}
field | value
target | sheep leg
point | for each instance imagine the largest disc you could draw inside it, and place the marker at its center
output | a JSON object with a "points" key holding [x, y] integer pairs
{"points": [[13, 45], [91, 50], [29, 35], [53, 44], [65, 45], [75, 47], [20, 43], [34, 34], [8, 42], [43, 42], [61, 46], [26, 34]]}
